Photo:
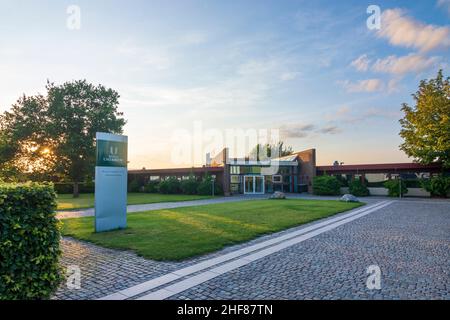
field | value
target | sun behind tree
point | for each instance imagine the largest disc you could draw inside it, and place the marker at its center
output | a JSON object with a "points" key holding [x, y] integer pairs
{"points": [[52, 137]]}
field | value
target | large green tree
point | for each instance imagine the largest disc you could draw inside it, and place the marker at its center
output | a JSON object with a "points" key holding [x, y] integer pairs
{"points": [[53, 135], [426, 125]]}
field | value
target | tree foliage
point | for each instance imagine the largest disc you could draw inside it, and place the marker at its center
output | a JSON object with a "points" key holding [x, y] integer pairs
{"points": [[268, 151], [52, 136], [426, 125]]}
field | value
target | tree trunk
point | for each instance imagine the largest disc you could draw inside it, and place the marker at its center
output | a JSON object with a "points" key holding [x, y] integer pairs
{"points": [[76, 192]]}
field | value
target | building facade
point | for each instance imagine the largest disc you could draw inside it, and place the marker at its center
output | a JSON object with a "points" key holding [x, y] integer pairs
{"points": [[293, 173]]}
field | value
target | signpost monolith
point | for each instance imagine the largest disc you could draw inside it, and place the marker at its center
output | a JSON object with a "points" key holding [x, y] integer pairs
{"points": [[111, 182]]}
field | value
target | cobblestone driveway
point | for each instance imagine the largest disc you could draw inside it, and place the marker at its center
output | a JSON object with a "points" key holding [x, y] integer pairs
{"points": [[408, 240]]}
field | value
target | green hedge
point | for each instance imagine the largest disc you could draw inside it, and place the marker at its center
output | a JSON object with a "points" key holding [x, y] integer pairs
{"points": [[326, 185], [189, 186], [134, 186], [437, 186], [205, 187], [170, 186], [29, 241], [151, 187], [357, 189], [393, 187], [67, 187]]}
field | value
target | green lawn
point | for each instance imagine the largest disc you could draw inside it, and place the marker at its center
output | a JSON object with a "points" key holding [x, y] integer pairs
{"points": [[180, 233], [67, 202]]}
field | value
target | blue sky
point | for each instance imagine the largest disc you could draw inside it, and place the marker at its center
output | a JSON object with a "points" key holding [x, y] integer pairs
{"points": [[309, 68]]}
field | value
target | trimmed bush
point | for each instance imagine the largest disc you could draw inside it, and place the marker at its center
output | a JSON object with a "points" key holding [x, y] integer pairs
{"points": [[342, 180], [151, 187], [134, 186], [189, 186], [438, 186], [326, 185], [29, 242], [357, 189], [63, 188], [205, 187], [393, 187], [87, 187], [169, 186]]}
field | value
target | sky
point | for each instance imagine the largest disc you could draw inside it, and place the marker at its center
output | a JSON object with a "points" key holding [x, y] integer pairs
{"points": [[186, 71]]}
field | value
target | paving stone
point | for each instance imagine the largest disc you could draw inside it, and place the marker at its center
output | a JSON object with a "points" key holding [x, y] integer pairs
{"points": [[409, 240]]}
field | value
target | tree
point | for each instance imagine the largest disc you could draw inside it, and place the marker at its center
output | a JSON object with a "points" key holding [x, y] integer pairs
{"points": [[55, 134], [426, 125], [268, 151]]}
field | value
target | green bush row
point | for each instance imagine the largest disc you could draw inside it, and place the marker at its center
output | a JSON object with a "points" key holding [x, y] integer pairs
{"points": [[326, 186], [331, 185], [67, 187], [358, 189], [29, 241], [174, 186]]}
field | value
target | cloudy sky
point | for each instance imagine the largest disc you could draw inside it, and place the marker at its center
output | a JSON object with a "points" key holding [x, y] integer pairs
{"points": [[312, 69]]}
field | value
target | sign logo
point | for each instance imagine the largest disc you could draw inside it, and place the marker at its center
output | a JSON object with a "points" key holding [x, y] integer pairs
{"points": [[113, 150], [111, 153]]}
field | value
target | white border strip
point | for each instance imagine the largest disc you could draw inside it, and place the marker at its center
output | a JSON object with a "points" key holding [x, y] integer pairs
{"points": [[175, 275], [193, 281]]}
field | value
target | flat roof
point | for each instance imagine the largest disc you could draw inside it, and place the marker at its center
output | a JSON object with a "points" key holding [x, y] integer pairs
{"points": [[176, 170], [381, 167]]}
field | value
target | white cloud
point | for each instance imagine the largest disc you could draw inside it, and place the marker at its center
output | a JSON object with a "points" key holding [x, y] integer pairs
{"points": [[401, 65], [235, 93], [361, 63], [393, 85], [368, 85], [401, 30]]}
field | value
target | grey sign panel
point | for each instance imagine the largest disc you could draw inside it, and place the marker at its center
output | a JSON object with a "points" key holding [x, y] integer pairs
{"points": [[110, 189]]}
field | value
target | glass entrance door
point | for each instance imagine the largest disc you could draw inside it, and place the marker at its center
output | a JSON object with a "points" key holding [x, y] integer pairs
{"points": [[259, 184], [253, 184], [248, 184]]}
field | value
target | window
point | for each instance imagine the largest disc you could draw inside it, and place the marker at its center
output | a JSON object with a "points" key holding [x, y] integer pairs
{"points": [[277, 178], [234, 179], [235, 170]]}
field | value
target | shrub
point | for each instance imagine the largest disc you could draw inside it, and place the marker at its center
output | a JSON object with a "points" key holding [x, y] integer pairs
{"points": [[63, 188], [169, 186], [205, 187], [29, 241], [356, 188], [393, 187], [87, 187], [438, 186], [189, 186], [326, 185], [151, 187], [342, 180], [134, 186]]}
